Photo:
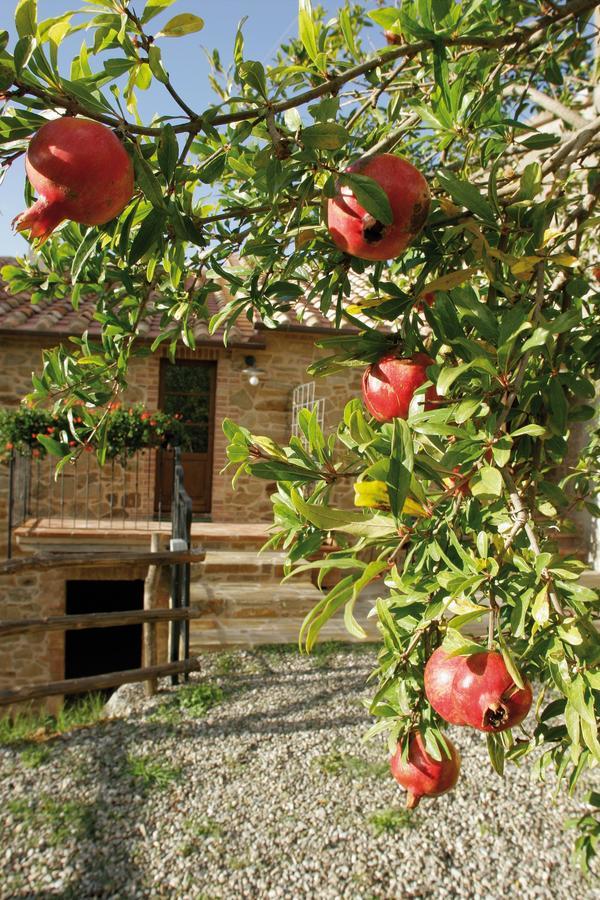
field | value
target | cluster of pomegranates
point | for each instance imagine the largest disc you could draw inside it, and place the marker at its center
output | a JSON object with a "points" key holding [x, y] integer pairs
{"points": [[80, 170], [477, 691]]}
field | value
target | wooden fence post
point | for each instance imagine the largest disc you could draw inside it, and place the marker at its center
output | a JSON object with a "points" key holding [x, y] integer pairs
{"points": [[150, 593]]}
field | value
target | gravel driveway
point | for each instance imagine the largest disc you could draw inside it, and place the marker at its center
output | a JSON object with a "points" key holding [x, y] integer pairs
{"points": [[253, 783]]}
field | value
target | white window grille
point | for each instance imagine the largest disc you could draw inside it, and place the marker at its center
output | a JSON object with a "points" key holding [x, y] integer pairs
{"points": [[303, 397]]}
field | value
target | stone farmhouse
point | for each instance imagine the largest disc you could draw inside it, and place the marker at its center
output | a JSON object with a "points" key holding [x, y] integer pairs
{"points": [[259, 380]]}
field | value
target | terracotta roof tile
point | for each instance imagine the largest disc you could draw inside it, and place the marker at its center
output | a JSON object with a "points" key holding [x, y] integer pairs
{"points": [[57, 316]]}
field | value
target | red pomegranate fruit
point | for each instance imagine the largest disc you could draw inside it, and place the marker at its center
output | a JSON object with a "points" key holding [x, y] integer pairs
{"points": [[475, 690], [357, 232], [80, 170], [421, 774], [389, 385]]}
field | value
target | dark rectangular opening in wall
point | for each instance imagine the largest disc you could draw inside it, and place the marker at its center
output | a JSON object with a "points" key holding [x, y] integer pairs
{"points": [[94, 651]]}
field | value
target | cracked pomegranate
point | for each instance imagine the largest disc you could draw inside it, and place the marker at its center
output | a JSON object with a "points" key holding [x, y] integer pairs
{"points": [[476, 690], [357, 232], [389, 385], [421, 774], [80, 170]]}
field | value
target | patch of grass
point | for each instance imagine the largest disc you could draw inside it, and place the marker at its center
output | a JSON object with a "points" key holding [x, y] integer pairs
{"points": [[337, 763], [204, 827], [63, 818], [387, 821], [150, 772], [199, 830], [226, 663], [29, 725], [86, 711], [195, 699], [34, 755]]}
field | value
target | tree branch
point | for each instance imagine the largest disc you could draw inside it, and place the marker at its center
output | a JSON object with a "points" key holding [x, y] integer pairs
{"points": [[522, 514]]}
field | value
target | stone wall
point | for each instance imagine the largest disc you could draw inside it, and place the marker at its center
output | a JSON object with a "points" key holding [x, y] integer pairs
{"points": [[265, 409], [127, 493]]}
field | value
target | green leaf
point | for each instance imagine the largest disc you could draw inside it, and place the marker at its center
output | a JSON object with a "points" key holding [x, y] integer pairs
{"points": [[487, 482], [496, 753], [540, 141], [456, 644], [252, 73], [84, 251], [23, 50], [26, 18], [276, 470], [148, 235], [148, 181], [386, 17], [168, 151], [467, 195], [370, 195], [307, 31], [510, 663], [52, 446], [400, 467], [325, 517], [178, 26], [153, 8], [156, 64], [541, 607], [324, 136], [346, 26]]}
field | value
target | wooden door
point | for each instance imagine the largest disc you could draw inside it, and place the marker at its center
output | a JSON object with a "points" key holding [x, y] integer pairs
{"points": [[187, 387]]}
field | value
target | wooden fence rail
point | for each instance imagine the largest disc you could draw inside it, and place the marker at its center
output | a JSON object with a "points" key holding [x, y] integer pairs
{"points": [[155, 559], [94, 620], [100, 558], [95, 682]]}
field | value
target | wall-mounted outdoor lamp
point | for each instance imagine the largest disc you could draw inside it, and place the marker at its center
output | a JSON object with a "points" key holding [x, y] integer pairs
{"points": [[252, 371]]}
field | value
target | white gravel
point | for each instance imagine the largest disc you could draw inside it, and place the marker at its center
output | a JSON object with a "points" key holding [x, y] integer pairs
{"points": [[270, 794]]}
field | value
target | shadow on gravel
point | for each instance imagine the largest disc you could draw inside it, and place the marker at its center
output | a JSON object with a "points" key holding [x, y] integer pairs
{"points": [[120, 804]]}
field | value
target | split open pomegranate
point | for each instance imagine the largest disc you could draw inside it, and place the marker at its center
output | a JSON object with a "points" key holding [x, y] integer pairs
{"points": [[357, 232], [476, 690]]}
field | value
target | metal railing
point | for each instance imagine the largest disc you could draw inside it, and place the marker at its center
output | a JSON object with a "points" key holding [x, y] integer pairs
{"points": [[133, 493], [181, 536]]}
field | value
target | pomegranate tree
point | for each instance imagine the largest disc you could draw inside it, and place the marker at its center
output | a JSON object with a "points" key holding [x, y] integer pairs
{"points": [[421, 773], [80, 170], [358, 232], [417, 195], [476, 690]]}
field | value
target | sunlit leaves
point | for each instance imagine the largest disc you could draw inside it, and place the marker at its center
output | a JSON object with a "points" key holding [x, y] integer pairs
{"points": [[179, 26]]}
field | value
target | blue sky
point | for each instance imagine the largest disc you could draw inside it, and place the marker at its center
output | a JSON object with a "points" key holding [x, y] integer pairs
{"points": [[269, 21]]}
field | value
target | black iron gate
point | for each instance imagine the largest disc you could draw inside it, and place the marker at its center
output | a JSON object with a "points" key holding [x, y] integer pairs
{"points": [[181, 535]]}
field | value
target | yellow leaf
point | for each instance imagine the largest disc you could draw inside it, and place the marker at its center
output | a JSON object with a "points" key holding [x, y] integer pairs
{"points": [[371, 494], [305, 236], [524, 267], [549, 235], [374, 495], [412, 508], [449, 281], [448, 207], [564, 259]]}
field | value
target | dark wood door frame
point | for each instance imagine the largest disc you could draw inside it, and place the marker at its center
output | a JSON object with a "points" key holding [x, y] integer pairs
{"points": [[201, 499]]}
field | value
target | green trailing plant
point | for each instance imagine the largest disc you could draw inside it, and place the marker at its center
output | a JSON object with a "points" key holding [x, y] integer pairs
{"points": [[36, 432], [458, 506]]}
